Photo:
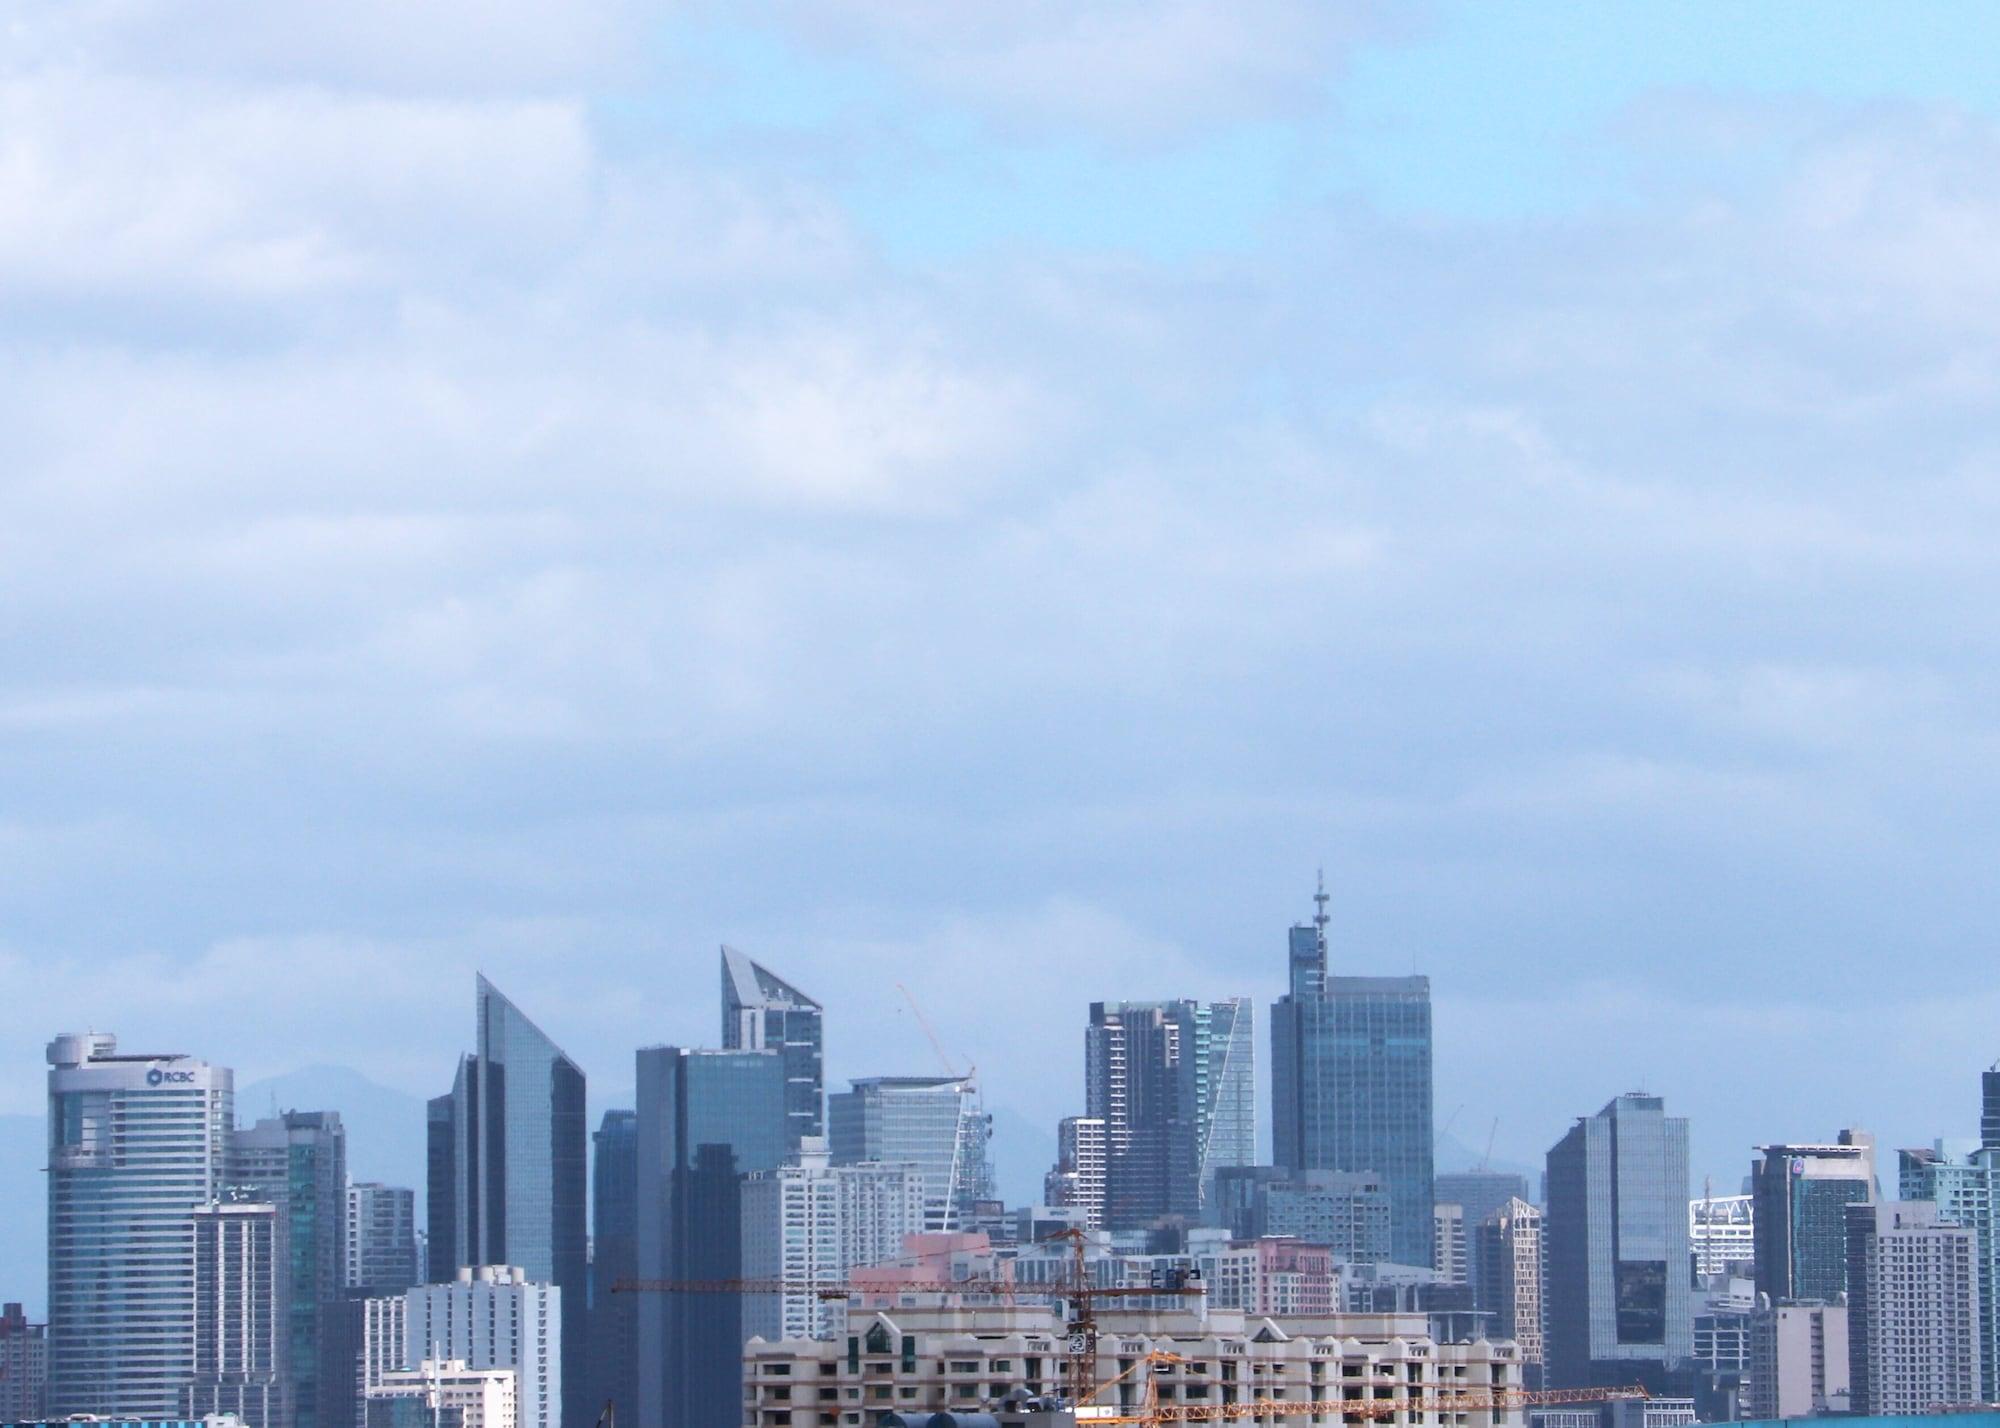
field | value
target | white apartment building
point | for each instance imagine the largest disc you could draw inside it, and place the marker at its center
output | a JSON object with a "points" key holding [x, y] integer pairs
{"points": [[483, 1398], [494, 1317], [1913, 1308], [1722, 1231], [385, 1347]]}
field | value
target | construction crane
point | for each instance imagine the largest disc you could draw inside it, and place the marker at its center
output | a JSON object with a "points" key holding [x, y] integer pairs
{"points": [[819, 1288]]}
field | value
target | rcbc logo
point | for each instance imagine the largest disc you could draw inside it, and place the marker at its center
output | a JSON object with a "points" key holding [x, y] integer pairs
{"points": [[158, 1077]]}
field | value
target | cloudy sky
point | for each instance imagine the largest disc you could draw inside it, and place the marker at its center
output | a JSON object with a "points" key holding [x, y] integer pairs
{"points": [[991, 497]]}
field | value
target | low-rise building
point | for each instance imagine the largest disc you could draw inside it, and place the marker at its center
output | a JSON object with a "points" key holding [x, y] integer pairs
{"points": [[1798, 1361], [24, 1366], [444, 1393]]}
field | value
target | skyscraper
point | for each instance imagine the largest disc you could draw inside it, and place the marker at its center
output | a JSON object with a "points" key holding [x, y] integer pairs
{"points": [[763, 1012], [1800, 1195], [381, 1238], [705, 1119], [1912, 1309], [1507, 1271], [614, 1246], [298, 1162], [1077, 1181], [1351, 1080], [136, 1142], [242, 1300], [935, 1123], [1617, 1226], [508, 1158], [1964, 1185]]}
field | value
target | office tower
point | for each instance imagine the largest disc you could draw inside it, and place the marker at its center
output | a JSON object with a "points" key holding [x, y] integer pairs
{"points": [[1480, 1192], [24, 1367], [508, 1151], [1913, 1308], [1722, 1234], [1507, 1273], [1077, 1182], [763, 1012], [298, 1162], [242, 1338], [706, 1119], [814, 1222], [135, 1143], [1351, 1081], [381, 1238], [494, 1317], [1173, 1084], [1344, 1212], [444, 1393], [935, 1123], [1801, 1194], [1798, 1361], [1618, 1308], [614, 1245]]}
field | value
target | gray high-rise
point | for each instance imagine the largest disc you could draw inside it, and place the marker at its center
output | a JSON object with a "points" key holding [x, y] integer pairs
{"points": [[705, 1119], [1351, 1081], [243, 1295], [761, 1011], [381, 1238], [614, 1255], [935, 1123], [136, 1142], [1913, 1308], [1617, 1236], [297, 1161], [508, 1169]]}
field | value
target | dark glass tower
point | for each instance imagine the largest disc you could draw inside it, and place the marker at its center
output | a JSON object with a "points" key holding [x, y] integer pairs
{"points": [[706, 1118], [1351, 1081], [507, 1151], [298, 1162], [763, 1012], [1799, 1197], [614, 1318]]}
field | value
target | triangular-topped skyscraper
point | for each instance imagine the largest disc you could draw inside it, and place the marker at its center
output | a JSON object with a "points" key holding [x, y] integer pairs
{"points": [[761, 1011]]}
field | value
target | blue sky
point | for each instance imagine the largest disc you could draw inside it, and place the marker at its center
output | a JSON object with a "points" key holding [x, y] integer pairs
{"points": [[991, 497]]}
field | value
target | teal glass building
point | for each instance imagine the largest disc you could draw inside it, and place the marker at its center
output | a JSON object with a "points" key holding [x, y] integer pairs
{"points": [[298, 1162]]}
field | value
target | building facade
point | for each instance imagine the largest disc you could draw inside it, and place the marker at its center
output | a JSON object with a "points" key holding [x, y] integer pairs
{"points": [[1344, 1212], [135, 1143], [1912, 1308], [1722, 1233], [508, 1158], [444, 1391], [614, 1255], [381, 1242], [1798, 1361], [385, 1339], [1351, 1081], [1509, 1266], [242, 1330], [763, 1012], [24, 1366], [935, 1123], [1964, 1184], [1451, 1251], [1618, 1290], [494, 1317], [1801, 1195], [1481, 1192], [1077, 1181], [297, 1162]]}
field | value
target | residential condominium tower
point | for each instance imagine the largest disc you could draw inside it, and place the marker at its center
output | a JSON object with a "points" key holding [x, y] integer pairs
{"points": [[136, 1142], [1351, 1081], [935, 1123], [494, 1317], [763, 1012], [508, 1167], [1077, 1181], [1912, 1309], [242, 1295]]}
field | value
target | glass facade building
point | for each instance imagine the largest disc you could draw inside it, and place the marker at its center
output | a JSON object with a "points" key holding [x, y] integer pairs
{"points": [[1799, 1198], [1351, 1082], [242, 1333], [298, 1163], [381, 1238], [136, 1142], [508, 1170], [935, 1123], [705, 1119], [614, 1246], [1344, 1211], [1617, 1241], [763, 1012]]}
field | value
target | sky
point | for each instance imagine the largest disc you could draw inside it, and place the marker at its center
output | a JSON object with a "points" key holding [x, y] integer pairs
{"points": [[990, 499]]}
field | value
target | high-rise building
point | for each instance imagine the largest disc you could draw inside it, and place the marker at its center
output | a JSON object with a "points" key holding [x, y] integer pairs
{"points": [[1174, 1084], [935, 1123], [706, 1119], [813, 1223], [1451, 1248], [508, 1154], [381, 1238], [494, 1317], [1508, 1269], [1913, 1308], [614, 1255], [1077, 1181], [297, 1161], [24, 1367], [1801, 1194], [763, 1012], [1798, 1361], [1618, 1309], [385, 1338], [1345, 1212], [1351, 1081], [1481, 1192], [1722, 1233], [242, 1338], [1964, 1184], [135, 1143]]}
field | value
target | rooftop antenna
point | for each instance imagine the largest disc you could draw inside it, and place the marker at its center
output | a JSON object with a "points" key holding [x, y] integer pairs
{"points": [[1320, 919]]}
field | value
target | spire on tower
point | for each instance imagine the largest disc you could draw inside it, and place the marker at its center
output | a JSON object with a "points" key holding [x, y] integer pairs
{"points": [[1320, 918]]}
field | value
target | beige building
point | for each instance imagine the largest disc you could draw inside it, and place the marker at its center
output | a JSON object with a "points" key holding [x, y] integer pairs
{"points": [[936, 1356], [483, 1398]]}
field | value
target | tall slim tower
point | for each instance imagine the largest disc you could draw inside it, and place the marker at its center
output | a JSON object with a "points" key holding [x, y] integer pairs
{"points": [[136, 1142], [1351, 1080], [298, 1162], [763, 1012], [936, 1123], [508, 1155]]}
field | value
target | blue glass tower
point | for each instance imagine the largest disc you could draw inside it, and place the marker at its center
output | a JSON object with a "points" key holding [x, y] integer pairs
{"points": [[761, 1011], [1351, 1081], [706, 1119], [614, 1318]]}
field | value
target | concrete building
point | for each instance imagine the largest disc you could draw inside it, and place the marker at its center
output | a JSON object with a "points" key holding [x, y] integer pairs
{"points": [[297, 1162], [813, 1223], [242, 1334], [444, 1391], [1802, 1193], [1964, 1183], [1077, 1181], [495, 1317], [1347, 1213], [935, 1123], [385, 1340], [1508, 1269], [1618, 1309], [135, 1143], [1798, 1361], [508, 1171], [923, 1359], [1913, 1308], [1450, 1253], [381, 1245], [1722, 1233], [1351, 1081], [763, 1012], [24, 1366]]}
